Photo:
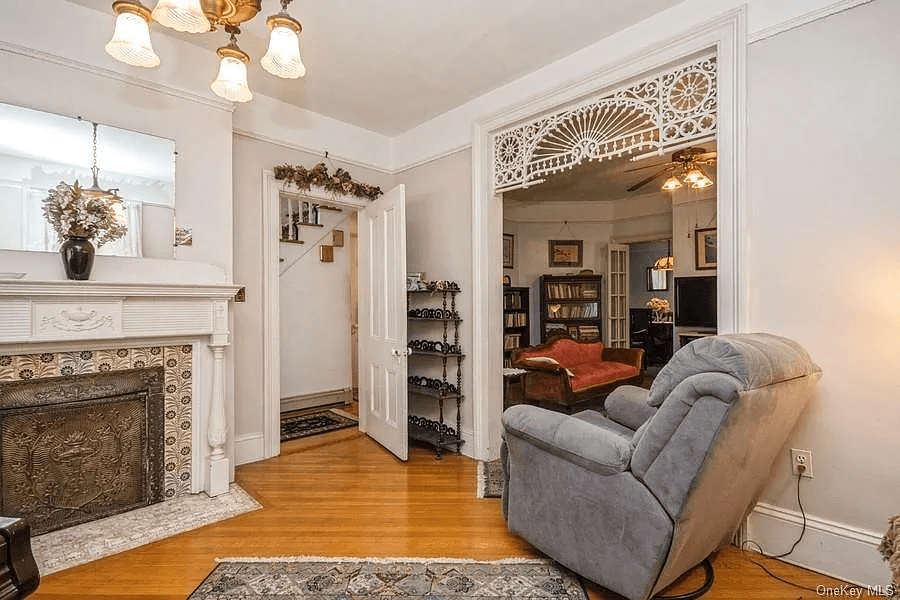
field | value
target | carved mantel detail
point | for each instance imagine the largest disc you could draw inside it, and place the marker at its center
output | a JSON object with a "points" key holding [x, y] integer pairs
{"points": [[77, 319]]}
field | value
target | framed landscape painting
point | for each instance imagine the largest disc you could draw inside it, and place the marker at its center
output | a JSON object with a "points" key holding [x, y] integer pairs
{"points": [[565, 253]]}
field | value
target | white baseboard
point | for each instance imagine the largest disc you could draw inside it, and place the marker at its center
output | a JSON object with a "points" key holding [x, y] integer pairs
{"points": [[841, 551], [248, 448], [303, 401]]}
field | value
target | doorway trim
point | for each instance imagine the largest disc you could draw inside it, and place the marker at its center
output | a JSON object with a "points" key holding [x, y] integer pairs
{"points": [[727, 35]]}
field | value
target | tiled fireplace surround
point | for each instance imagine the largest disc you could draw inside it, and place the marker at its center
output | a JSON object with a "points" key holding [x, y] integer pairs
{"points": [[59, 328]]}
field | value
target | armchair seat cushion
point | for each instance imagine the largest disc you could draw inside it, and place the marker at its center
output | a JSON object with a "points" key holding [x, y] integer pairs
{"points": [[591, 375]]}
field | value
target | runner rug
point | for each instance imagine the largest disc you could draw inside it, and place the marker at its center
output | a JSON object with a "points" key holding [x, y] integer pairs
{"points": [[490, 479], [308, 578], [299, 424]]}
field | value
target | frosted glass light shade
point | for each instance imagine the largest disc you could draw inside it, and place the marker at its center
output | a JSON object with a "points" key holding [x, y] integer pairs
{"points": [[283, 56], [130, 42], [231, 83], [181, 15], [692, 176], [702, 182], [671, 184]]}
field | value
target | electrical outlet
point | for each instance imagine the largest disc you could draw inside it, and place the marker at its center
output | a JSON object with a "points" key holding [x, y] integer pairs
{"points": [[801, 462]]}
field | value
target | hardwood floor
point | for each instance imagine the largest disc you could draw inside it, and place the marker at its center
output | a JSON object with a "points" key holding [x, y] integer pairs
{"points": [[340, 494]]}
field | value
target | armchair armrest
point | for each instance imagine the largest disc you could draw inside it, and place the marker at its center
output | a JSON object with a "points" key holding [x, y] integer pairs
{"points": [[627, 405], [574, 440], [536, 365], [628, 356]]}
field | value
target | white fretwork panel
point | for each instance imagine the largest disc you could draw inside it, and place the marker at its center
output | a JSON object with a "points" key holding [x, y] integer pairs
{"points": [[668, 109]]}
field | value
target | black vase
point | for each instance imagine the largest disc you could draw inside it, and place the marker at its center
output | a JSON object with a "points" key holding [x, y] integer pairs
{"points": [[77, 256]]}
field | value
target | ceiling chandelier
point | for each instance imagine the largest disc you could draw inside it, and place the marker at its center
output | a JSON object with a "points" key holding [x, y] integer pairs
{"points": [[130, 42]]}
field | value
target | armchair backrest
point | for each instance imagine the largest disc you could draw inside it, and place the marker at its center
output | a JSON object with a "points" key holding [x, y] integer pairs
{"points": [[727, 405], [563, 350]]}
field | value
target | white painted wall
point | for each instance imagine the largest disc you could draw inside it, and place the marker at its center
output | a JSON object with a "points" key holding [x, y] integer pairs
{"points": [[438, 219], [315, 311], [823, 217]]}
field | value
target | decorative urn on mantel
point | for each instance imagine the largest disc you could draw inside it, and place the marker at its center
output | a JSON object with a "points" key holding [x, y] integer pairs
{"points": [[81, 217]]}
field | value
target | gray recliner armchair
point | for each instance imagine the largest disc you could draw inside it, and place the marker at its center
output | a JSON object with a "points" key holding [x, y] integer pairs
{"points": [[634, 499]]}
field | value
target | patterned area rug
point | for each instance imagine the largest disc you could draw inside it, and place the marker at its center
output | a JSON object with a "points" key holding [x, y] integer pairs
{"points": [[302, 424], [83, 543], [490, 479], [306, 578]]}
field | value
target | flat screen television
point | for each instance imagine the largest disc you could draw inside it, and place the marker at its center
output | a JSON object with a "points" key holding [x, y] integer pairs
{"points": [[695, 301]]}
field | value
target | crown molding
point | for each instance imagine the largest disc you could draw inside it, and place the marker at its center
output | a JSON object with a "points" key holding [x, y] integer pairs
{"points": [[166, 89], [805, 18], [314, 151]]}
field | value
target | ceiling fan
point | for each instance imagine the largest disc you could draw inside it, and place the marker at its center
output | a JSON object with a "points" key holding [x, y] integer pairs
{"points": [[684, 168]]}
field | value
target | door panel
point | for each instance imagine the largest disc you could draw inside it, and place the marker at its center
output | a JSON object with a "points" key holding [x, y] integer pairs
{"points": [[382, 321]]}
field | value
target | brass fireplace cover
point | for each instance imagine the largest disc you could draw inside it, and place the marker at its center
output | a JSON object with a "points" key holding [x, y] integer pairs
{"points": [[81, 447]]}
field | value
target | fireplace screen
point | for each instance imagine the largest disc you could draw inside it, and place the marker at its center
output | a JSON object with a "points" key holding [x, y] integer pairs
{"points": [[81, 447]]}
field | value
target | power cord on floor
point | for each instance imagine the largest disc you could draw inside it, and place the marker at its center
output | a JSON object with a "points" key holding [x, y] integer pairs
{"points": [[760, 551]]}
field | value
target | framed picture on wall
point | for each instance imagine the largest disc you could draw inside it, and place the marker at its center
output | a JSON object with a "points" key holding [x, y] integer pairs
{"points": [[706, 248], [509, 249], [565, 253]]}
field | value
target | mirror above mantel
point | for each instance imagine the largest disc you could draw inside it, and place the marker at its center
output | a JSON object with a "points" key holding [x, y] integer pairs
{"points": [[38, 150]]}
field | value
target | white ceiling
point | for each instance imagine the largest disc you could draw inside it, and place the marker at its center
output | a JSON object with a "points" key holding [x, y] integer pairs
{"points": [[390, 65], [605, 181]]}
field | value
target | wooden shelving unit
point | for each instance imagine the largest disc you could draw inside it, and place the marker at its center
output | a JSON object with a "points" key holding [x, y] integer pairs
{"points": [[570, 305], [516, 320]]}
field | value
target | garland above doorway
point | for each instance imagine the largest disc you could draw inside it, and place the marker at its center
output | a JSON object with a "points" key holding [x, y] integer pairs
{"points": [[339, 183]]}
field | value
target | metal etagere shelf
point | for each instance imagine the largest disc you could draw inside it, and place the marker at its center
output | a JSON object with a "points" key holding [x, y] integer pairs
{"points": [[447, 350]]}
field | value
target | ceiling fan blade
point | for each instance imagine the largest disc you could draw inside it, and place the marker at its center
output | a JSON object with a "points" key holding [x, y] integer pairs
{"points": [[648, 167], [705, 156], [644, 182]]}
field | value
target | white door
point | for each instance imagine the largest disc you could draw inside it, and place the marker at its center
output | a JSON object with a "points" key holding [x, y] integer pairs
{"points": [[382, 321], [617, 297]]}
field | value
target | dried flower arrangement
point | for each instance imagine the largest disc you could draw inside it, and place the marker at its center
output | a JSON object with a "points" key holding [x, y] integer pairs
{"points": [[660, 305], [75, 214], [339, 183]]}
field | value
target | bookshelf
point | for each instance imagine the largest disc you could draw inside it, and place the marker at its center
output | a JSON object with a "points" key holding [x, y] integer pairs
{"points": [[515, 320], [570, 305]]}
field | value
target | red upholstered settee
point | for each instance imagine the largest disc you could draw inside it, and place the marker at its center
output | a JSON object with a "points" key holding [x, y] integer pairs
{"points": [[566, 372]]}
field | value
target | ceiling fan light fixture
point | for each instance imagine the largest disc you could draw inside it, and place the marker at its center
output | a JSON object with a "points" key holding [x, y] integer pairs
{"points": [[181, 15], [693, 175], [130, 42], [671, 184], [283, 56], [702, 182]]}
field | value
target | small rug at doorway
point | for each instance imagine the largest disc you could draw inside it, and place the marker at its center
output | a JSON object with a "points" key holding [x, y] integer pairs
{"points": [[298, 424], [490, 479], [308, 578], [90, 541]]}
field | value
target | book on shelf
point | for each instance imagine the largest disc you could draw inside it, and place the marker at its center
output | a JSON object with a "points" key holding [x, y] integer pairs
{"points": [[511, 341], [515, 320], [587, 310], [572, 291], [512, 301]]}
